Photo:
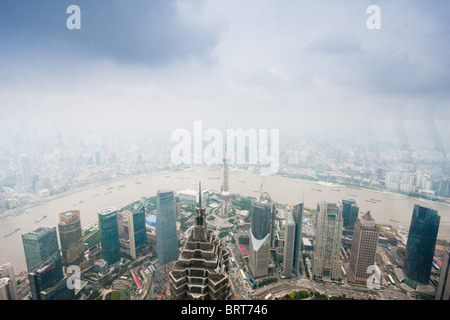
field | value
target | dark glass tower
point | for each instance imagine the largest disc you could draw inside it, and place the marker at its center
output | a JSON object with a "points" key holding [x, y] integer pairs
{"points": [[349, 213], [166, 227], [260, 235], [261, 217], [298, 219], [49, 273], [137, 231], [39, 245], [70, 237], [109, 231], [420, 246]]}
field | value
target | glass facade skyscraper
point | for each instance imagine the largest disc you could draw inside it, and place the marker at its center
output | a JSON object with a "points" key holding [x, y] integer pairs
{"points": [[136, 230], [289, 241], [166, 227], [39, 245], [261, 220], [46, 275], [420, 246], [298, 218], [109, 231], [70, 237], [349, 213]]}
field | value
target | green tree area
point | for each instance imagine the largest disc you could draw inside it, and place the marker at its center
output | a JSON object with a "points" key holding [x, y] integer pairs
{"points": [[130, 207], [297, 295], [189, 208], [303, 294], [92, 238], [94, 295], [266, 282], [244, 203], [223, 234], [113, 295]]}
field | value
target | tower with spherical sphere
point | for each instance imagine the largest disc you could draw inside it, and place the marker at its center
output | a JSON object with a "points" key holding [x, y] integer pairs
{"points": [[226, 206]]}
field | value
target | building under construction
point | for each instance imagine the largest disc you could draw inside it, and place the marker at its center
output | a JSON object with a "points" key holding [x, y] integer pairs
{"points": [[201, 272]]}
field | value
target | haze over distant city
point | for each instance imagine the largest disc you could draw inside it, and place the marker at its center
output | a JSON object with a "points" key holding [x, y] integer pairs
{"points": [[217, 150], [313, 67]]}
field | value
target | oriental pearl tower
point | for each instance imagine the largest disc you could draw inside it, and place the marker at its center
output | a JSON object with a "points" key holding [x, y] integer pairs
{"points": [[226, 206]]}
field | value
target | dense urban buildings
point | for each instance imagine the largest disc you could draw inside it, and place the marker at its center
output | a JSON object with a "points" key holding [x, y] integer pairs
{"points": [[109, 231], [260, 235], [420, 246], [39, 245], [70, 237], [326, 261], [201, 272], [364, 247], [136, 230], [443, 289], [166, 227]]}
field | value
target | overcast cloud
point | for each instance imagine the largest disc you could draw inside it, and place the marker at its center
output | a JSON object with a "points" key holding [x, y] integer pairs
{"points": [[297, 64]]}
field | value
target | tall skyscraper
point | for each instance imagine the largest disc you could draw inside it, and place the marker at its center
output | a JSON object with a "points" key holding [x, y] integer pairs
{"points": [[292, 251], [25, 169], [420, 246], [109, 232], [289, 243], [364, 247], [120, 224], [49, 273], [326, 262], [298, 219], [6, 289], [443, 289], [136, 230], [166, 227], [201, 272], [7, 272], [261, 218], [349, 213], [70, 237], [226, 205], [39, 245]]}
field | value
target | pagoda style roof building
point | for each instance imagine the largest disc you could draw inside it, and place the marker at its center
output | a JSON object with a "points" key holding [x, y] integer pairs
{"points": [[201, 272]]}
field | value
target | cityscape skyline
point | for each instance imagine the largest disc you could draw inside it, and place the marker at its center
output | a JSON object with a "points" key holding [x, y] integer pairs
{"points": [[243, 150]]}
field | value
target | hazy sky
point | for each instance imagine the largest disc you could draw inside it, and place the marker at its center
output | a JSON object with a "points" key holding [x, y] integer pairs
{"points": [[309, 65]]}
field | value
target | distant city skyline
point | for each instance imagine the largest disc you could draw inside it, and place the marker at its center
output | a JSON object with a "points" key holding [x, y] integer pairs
{"points": [[344, 130]]}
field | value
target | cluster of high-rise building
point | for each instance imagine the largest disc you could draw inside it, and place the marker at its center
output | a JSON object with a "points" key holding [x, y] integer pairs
{"points": [[47, 262], [44, 264], [201, 269]]}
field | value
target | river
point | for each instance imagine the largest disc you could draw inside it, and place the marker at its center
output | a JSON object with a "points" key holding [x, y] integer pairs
{"points": [[388, 210]]}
